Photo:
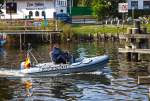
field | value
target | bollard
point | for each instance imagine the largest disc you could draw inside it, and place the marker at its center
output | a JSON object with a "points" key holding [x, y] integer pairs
{"points": [[129, 30], [137, 23], [135, 31]]}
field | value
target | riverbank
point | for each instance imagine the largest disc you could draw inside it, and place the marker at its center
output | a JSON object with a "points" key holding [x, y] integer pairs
{"points": [[69, 32]]}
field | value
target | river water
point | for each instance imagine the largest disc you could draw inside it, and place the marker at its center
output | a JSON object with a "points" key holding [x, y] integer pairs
{"points": [[118, 82]]}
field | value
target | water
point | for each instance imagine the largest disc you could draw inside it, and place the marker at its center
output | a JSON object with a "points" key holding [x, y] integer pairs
{"points": [[118, 82]]}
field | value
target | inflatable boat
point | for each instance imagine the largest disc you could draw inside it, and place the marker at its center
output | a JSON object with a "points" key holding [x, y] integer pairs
{"points": [[84, 65]]}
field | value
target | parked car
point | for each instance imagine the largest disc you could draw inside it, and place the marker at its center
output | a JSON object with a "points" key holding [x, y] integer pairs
{"points": [[63, 17]]}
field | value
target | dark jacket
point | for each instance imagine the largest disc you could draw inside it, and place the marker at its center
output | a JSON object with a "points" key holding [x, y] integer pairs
{"points": [[57, 55]]}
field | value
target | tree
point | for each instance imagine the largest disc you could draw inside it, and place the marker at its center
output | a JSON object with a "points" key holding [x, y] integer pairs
{"points": [[103, 8], [113, 11], [75, 3], [85, 3], [100, 8]]}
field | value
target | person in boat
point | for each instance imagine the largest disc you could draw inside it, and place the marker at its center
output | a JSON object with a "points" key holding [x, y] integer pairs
{"points": [[58, 56]]}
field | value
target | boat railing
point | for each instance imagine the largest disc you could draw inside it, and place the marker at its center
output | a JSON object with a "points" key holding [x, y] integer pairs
{"points": [[29, 52]]}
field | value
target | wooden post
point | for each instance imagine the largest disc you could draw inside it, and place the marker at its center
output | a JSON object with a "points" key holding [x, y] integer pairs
{"points": [[20, 42], [128, 56], [50, 38], [137, 24], [144, 30], [143, 79], [135, 57], [24, 38]]}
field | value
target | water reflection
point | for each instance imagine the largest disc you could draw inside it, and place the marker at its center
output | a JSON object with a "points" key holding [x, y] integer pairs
{"points": [[27, 86], [2, 53], [6, 90], [75, 87], [65, 87]]}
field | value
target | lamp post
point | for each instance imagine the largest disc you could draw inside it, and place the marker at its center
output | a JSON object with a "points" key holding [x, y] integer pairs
{"points": [[132, 12], [70, 5]]}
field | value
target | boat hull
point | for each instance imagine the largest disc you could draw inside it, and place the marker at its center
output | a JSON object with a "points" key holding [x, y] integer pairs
{"points": [[86, 65]]}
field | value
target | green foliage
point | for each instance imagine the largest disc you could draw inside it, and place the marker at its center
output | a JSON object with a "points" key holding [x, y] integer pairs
{"points": [[99, 8], [113, 9], [1, 5], [1, 1], [83, 3]]}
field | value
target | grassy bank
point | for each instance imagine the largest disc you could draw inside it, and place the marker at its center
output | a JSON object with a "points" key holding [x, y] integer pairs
{"points": [[108, 29]]}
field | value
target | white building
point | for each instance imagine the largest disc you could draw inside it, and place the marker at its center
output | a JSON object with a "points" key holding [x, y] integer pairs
{"points": [[21, 9], [139, 4]]}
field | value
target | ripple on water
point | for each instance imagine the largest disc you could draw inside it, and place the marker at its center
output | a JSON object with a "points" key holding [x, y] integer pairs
{"points": [[78, 87]]}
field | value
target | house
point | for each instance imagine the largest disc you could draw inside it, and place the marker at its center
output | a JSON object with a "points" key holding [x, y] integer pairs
{"points": [[139, 4], [24, 9]]}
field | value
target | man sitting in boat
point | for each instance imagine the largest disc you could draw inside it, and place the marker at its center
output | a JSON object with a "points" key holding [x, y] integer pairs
{"points": [[58, 56]]}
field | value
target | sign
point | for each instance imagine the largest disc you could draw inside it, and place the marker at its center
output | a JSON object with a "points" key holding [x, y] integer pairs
{"points": [[123, 7], [34, 6], [53, 68]]}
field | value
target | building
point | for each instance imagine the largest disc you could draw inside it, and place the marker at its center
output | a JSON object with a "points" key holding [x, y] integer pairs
{"points": [[139, 4], [23, 9]]}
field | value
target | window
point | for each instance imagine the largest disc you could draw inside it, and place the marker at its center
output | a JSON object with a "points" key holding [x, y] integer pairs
{"points": [[36, 13], [11, 7], [146, 4], [61, 2], [134, 4], [43, 13], [30, 13]]}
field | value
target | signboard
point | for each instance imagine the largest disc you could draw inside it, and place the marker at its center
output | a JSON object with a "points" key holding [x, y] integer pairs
{"points": [[34, 5], [123, 7]]}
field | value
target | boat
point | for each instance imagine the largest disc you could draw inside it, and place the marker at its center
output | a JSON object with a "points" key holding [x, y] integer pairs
{"points": [[2, 39], [85, 64]]}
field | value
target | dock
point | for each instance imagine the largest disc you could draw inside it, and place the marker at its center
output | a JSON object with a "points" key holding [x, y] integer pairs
{"points": [[137, 42], [29, 31], [141, 51], [137, 36], [143, 79]]}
